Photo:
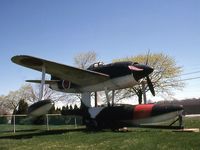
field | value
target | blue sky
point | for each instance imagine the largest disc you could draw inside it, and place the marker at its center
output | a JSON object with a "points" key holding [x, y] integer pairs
{"points": [[59, 29]]}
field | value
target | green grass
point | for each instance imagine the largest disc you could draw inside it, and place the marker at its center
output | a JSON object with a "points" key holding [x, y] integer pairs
{"points": [[66, 137]]}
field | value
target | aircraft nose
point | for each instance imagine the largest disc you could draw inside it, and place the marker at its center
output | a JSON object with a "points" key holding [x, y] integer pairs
{"points": [[144, 72], [159, 109], [147, 70]]}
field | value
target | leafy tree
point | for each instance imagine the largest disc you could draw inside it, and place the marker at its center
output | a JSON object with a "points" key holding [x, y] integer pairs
{"points": [[3, 120], [165, 77], [58, 110], [63, 110], [23, 107], [70, 107], [75, 107]]}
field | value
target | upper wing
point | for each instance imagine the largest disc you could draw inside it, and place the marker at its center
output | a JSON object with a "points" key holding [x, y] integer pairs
{"points": [[75, 75]]}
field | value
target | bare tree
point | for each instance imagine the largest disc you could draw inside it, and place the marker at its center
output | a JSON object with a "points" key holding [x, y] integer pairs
{"points": [[84, 60], [3, 109], [11, 101], [47, 92]]}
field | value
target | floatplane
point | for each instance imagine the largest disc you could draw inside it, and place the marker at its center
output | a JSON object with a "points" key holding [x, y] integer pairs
{"points": [[100, 77]]}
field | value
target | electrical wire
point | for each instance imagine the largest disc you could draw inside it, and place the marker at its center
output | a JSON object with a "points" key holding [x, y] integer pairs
{"points": [[190, 79], [194, 72]]}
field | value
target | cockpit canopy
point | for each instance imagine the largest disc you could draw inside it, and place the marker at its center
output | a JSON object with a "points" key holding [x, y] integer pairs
{"points": [[95, 65]]}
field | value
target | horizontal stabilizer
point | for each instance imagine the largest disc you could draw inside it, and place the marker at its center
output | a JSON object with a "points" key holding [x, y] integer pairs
{"points": [[46, 81]]}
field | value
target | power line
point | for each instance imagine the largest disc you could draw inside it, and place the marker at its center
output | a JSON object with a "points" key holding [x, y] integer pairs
{"points": [[189, 73], [184, 79], [194, 72], [190, 79]]}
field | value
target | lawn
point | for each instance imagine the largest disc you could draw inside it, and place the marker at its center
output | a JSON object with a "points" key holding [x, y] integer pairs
{"points": [[62, 137]]}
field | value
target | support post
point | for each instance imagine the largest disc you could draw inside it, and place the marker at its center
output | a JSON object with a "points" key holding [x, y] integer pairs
{"points": [[14, 124], [144, 92], [47, 119], [95, 99], [42, 82], [86, 98], [113, 97], [181, 125], [107, 97], [75, 123]]}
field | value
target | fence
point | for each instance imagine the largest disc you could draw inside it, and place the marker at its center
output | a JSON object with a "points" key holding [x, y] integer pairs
{"points": [[14, 123]]}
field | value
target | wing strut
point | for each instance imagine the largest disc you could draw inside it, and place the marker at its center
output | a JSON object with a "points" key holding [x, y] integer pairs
{"points": [[42, 83], [113, 97], [95, 99], [107, 96]]}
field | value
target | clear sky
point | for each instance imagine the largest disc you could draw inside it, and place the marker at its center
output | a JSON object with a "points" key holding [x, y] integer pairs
{"points": [[59, 29]]}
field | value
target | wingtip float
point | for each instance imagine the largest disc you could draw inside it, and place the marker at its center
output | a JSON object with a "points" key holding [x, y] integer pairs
{"points": [[40, 108]]}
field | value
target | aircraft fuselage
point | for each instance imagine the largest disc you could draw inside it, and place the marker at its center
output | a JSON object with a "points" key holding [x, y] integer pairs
{"points": [[122, 75]]}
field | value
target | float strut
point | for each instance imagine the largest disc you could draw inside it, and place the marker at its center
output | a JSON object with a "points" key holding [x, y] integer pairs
{"points": [[42, 83]]}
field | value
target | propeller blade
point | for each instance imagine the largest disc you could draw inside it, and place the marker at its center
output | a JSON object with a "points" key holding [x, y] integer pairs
{"points": [[147, 60], [151, 88]]}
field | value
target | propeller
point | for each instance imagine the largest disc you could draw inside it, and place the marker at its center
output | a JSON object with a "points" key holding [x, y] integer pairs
{"points": [[149, 83]]}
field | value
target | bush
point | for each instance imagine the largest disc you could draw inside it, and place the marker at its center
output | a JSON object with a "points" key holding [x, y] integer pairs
{"points": [[3, 120]]}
